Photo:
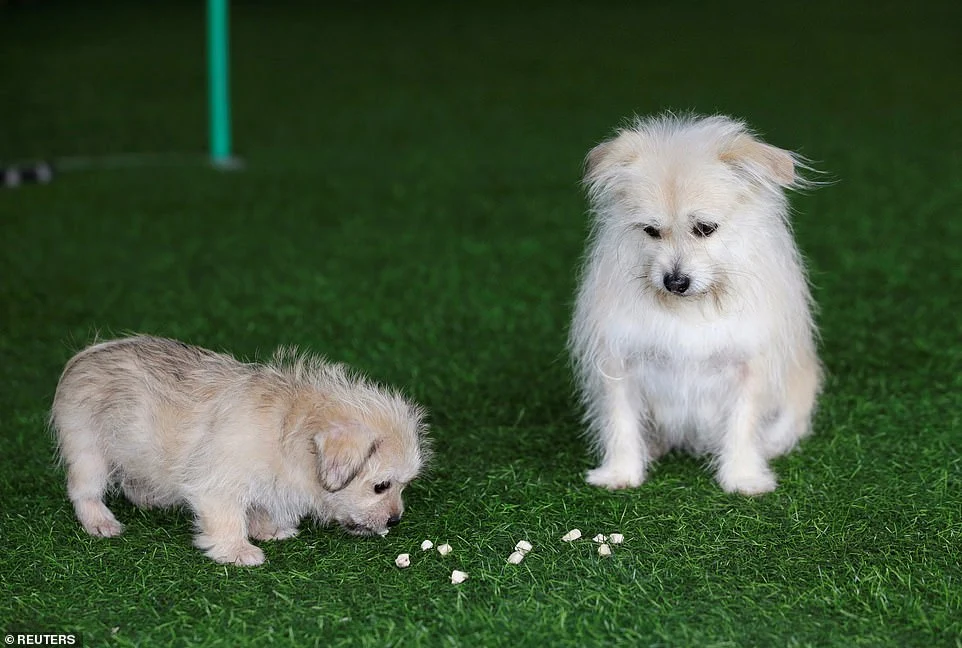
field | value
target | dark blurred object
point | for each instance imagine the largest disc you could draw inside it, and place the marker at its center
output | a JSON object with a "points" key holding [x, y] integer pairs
{"points": [[14, 176]]}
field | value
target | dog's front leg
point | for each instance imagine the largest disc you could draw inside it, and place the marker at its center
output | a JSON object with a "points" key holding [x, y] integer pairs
{"points": [[742, 467], [222, 531], [265, 525], [617, 418]]}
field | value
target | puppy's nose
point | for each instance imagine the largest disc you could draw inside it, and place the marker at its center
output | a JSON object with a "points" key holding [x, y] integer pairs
{"points": [[393, 520], [676, 282]]}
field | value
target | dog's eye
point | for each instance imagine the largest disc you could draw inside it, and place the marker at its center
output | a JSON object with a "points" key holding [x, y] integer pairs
{"points": [[381, 487], [651, 231], [704, 229]]}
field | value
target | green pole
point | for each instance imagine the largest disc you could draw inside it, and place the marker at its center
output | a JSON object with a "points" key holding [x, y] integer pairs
{"points": [[219, 80]]}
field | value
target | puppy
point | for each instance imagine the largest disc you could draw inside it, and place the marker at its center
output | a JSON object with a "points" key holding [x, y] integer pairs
{"points": [[693, 323], [250, 448]]}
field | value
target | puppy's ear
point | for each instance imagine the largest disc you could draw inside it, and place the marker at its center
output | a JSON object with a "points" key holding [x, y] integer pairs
{"points": [[760, 160], [342, 452]]}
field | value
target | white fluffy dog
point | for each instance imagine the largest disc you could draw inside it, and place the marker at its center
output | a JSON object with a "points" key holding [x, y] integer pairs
{"points": [[250, 448], [693, 324]]}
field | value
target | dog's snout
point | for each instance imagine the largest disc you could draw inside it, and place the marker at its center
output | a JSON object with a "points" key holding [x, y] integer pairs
{"points": [[393, 520], [676, 282]]}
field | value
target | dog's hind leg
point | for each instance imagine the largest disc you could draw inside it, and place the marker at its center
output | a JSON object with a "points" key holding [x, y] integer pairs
{"points": [[794, 420], [88, 476]]}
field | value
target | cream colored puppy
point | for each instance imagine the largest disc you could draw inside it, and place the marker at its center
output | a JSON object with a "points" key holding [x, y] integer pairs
{"points": [[693, 324], [250, 448]]}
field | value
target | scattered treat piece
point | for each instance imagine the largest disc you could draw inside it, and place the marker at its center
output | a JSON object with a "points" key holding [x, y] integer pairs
{"points": [[523, 546], [571, 536], [427, 544], [444, 549], [516, 557], [458, 577], [616, 538], [402, 561], [601, 538], [604, 550]]}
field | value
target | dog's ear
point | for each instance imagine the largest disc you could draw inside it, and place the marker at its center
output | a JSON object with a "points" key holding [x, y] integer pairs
{"points": [[342, 452], [607, 156], [597, 159], [760, 160]]}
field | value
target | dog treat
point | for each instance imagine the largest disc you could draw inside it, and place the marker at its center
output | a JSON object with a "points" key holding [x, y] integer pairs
{"points": [[523, 546], [403, 560], [444, 549], [458, 577], [516, 557], [604, 550], [616, 538], [601, 538], [427, 544], [571, 536]]}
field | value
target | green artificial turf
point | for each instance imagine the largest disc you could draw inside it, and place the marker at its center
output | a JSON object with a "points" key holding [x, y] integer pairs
{"points": [[411, 205]]}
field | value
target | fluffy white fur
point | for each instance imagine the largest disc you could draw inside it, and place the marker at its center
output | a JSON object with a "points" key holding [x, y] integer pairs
{"points": [[250, 448], [724, 365]]}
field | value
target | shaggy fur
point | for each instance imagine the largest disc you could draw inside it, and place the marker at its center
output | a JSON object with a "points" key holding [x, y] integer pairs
{"points": [[250, 448], [693, 325]]}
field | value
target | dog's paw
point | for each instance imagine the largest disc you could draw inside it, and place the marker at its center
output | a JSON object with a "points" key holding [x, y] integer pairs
{"points": [[261, 526], [615, 477], [246, 555], [97, 520], [272, 533], [104, 528], [144, 499], [747, 482]]}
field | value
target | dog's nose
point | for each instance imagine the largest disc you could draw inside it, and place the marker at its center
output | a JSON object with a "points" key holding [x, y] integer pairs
{"points": [[393, 520], [676, 282]]}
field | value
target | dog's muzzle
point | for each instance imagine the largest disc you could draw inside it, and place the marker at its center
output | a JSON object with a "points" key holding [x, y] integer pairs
{"points": [[676, 282]]}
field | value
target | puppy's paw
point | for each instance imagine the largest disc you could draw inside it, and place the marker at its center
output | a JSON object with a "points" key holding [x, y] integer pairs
{"points": [[615, 477], [142, 498], [747, 482], [272, 532], [261, 526], [246, 555], [97, 520]]}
